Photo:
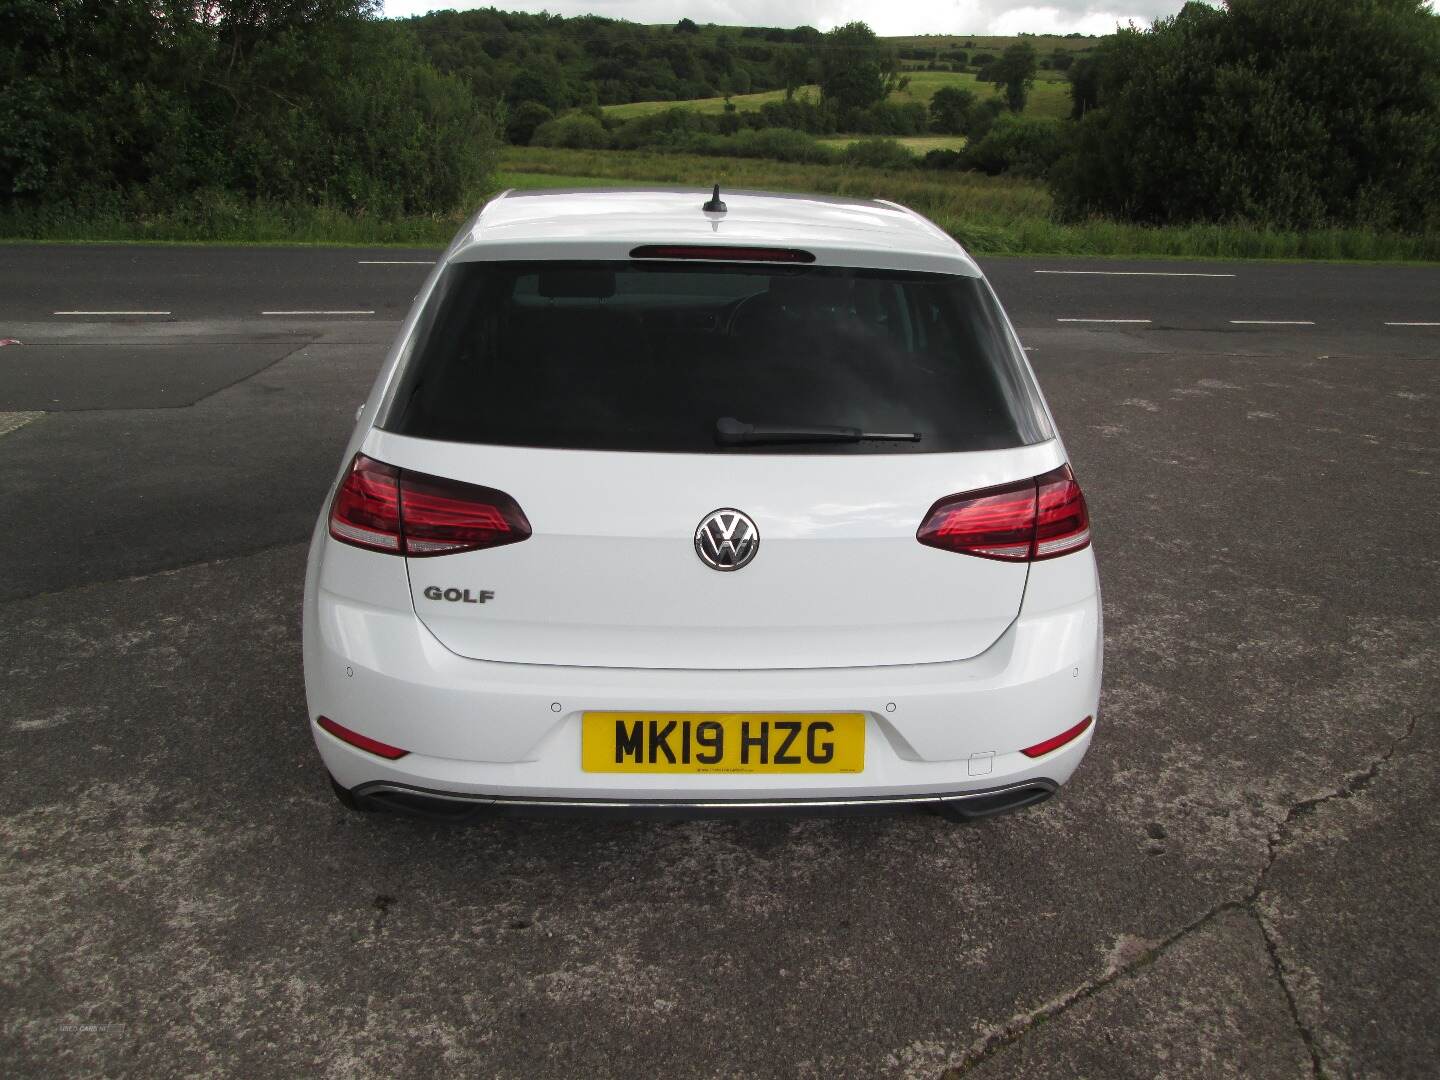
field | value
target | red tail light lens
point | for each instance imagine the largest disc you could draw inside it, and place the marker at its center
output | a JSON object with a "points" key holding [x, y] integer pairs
{"points": [[1040, 749], [1062, 521], [442, 517], [364, 742], [399, 512], [366, 510], [1033, 519], [998, 523]]}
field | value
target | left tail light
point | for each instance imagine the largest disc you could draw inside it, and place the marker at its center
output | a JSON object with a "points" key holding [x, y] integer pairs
{"points": [[382, 508]]}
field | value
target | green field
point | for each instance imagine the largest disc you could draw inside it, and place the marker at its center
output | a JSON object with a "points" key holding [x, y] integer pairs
{"points": [[1049, 98]]}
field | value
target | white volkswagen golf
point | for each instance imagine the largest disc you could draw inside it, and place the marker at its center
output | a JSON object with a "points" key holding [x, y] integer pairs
{"points": [[667, 503]]}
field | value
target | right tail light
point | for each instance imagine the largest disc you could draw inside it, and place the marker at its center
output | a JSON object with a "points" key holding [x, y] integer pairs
{"points": [[1040, 518]]}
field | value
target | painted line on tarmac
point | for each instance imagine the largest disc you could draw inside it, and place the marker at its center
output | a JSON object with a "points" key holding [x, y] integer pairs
{"points": [[110, 313], [1105, 320], [396, 262], [1412, 324], [317, 313], [1271, 322], [1134, 273]]}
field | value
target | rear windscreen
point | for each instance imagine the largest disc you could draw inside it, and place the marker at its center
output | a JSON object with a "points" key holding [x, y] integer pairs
{"points": [[649, 356]]}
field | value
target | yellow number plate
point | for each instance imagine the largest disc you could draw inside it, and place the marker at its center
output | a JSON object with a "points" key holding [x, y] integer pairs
{"points": [[722, 742]]}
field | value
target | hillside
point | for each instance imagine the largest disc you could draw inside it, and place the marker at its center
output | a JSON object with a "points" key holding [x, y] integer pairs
{"points": [[1049, 98]]}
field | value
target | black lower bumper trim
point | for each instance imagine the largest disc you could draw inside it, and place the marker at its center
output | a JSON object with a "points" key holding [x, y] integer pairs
{"points": [[460, 806]]}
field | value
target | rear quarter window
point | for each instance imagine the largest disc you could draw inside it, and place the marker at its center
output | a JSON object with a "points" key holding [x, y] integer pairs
{"points": [[647, 356]]}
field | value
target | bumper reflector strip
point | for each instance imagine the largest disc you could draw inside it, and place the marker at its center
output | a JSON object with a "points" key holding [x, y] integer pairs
{"points": [[364, 742], [1040, 749]]}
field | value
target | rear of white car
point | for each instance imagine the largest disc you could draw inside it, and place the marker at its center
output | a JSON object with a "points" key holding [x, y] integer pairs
{"points": [[656, 505]]}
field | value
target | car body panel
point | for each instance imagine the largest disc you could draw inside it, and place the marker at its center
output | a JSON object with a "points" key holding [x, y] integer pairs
{"points": [[610, 577]]}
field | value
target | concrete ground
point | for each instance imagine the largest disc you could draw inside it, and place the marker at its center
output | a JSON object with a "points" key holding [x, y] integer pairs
{"points": [[1241, 880]]}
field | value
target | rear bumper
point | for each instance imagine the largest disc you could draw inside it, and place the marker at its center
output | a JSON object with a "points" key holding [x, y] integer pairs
{"points": [[507, 735]]}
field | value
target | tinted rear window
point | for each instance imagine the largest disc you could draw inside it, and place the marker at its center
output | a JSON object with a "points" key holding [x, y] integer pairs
{"points": [[647, 356]]}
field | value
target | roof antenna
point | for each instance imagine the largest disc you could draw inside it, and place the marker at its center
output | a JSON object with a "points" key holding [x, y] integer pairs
{"points": [[714, 206]]}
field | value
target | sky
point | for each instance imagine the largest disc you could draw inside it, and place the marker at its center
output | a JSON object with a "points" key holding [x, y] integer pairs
{"points": [[886, 17]]}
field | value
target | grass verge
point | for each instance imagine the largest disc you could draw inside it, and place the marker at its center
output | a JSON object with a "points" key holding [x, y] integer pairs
{"points": [[989, 215]]}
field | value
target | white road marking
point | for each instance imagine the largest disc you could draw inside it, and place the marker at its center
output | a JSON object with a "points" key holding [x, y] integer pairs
{"points": [[14, 421], [110, 313], [1271, 322], [1105, 320], [317, 313], [1412, 324], [396, 262], [1134, 273]]}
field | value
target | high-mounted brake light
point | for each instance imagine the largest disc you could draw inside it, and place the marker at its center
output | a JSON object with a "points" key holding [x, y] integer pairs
{"points": [[1040, 749], [364, 742], [382, 508], [722, 254], [1021, 522]]}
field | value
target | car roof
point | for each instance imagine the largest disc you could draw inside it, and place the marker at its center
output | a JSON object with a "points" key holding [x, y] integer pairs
{"points": [[594, 223]]}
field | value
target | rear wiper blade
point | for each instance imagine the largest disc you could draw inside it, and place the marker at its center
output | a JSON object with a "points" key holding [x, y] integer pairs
{"points": [[732, 432]]}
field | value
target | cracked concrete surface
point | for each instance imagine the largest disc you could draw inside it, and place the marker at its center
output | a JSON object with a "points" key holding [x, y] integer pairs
{"points": [[1239, 882]]}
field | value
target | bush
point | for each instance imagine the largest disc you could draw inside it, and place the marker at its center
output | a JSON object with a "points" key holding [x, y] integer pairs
{"points": [[663, 129], [950, 110], [776, 144], [782, 144], [573, 131], [878, 154], [941, 159], [1015, 146], [888, 118], [523, 120], [795, 114]]}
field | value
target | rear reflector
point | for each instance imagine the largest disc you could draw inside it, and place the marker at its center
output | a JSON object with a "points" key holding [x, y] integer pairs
{"points": [[722, 254], [1040, 749], [364, 742], [382, 508], [1025, 521]]}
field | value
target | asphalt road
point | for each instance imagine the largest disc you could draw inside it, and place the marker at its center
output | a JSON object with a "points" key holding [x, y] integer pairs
{"points": [[1241, 879]]}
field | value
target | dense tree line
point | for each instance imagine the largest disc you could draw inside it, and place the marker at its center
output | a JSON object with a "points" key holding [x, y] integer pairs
{"points": [[1293, 113], [151, 102], [562, 63], [1289, 113]]}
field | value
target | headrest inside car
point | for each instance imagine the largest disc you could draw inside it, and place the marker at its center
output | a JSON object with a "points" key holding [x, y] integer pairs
{"points": [[577, 284]]}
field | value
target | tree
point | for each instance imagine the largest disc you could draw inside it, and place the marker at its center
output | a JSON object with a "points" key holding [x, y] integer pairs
{"points": [[534, 86], [1084, 76], [520, 125], [1014, 72], [794, 67], [686, 26], [1287, 113], [950, 110], [154, 102], [856, 69]]}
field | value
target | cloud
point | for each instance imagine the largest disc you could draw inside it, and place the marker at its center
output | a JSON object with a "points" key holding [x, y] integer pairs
{"points": [[885, 16]]}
